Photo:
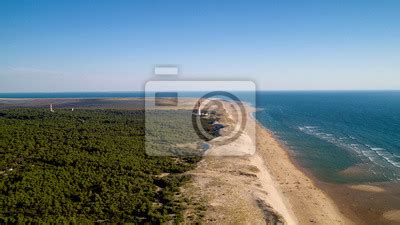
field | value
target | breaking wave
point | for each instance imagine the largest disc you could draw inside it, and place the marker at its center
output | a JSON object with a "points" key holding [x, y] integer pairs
{"points": [[366, 152]]}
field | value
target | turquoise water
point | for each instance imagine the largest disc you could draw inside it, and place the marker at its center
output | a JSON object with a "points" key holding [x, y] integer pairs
{"points": [[339, 136]]}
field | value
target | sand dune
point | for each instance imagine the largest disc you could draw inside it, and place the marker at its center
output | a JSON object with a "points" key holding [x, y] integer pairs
{"points": [[260, 188]]}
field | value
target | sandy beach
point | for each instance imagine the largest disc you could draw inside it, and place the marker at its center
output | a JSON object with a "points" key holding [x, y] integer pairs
{"points": [[309, 204], [259, 182], [261, 188]]}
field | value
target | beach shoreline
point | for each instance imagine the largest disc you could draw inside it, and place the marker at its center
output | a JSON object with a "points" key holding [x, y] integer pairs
{"points": [[342, 217], [268, 176], [310, 204], [269, 185], [358, 203]]}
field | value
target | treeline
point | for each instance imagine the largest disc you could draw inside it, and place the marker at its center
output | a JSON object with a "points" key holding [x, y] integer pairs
{"points": [[85, 166]]}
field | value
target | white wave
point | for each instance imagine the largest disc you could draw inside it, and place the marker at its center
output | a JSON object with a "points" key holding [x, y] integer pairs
{"points": [[376, 155], [368, 153], [311, 127], [375, 161], [391, 161], [377, 149]]}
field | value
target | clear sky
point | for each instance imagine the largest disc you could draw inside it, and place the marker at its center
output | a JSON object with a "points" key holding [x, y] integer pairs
{"points": [[281, 45]]}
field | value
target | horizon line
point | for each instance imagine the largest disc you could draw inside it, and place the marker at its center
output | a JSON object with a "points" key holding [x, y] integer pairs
{"points": [[266, 90]]}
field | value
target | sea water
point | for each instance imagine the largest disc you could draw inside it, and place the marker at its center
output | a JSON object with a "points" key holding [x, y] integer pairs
{"points": [[344, 137]]}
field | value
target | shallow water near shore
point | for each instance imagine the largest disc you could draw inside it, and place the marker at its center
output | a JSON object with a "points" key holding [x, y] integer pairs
{"points": [[348, 141], [342, 137]]}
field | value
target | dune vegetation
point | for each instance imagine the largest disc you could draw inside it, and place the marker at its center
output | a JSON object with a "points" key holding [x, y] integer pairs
{"points": [[85, 166]]}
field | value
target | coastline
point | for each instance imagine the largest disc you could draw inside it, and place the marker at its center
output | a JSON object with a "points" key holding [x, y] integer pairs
{"points": [[259, 186], [324, 200], [365, 203], [264, 187], [310, 204], [235, 184]]}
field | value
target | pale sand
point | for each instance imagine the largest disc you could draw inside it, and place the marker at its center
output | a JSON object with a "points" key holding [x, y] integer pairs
{"points": [[264, 187], [393, 215], [309, 204], [367, 188]]}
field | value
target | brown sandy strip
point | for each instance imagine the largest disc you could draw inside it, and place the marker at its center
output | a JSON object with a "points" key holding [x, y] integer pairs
{"points": [[309, 204], [263, 188]]}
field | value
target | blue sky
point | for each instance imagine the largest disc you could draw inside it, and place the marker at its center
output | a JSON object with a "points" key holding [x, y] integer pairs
{"points": [[280, 45]]}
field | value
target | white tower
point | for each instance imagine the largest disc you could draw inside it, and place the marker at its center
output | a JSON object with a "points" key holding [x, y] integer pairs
{"points": [[51, 108], [198, 108]]}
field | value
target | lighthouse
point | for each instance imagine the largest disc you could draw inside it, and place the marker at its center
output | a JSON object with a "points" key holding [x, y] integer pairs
{"points": [[198, 108], [51, 108]]}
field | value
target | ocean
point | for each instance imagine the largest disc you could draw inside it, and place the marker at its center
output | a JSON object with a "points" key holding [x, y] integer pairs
{"points": [[341, 137]]}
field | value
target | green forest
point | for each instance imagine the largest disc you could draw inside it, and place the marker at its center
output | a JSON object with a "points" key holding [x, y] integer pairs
{"points": [[86, 166]]}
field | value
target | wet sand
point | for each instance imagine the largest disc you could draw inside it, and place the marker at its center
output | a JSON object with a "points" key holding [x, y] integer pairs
{"points": [[293, 194], [309, 203], [376, 203], [261, 188], [266, 187], [367, 203]]}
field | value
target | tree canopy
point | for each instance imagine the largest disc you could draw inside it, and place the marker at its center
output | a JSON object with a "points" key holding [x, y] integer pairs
{"points": [[85, 166]]}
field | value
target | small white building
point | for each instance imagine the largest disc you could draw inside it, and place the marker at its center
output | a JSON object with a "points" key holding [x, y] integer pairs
{"points": [[51, 108]]}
